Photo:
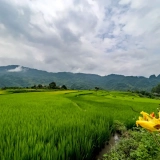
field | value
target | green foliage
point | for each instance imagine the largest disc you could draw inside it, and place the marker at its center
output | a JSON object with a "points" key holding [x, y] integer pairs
{"points": [[63, 124], [96, 88], [50, 127], [52, 85], [156, 89], [144, 94], [63, 87], [119, 127], [34, 87], [40, 86], [135, 145], [75, 80]]}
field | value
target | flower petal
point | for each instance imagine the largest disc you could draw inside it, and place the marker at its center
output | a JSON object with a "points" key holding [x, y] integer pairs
{"points": [[147, 124]]}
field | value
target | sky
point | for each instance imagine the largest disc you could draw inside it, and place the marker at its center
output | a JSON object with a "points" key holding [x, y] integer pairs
{"points": [[88, 36]]}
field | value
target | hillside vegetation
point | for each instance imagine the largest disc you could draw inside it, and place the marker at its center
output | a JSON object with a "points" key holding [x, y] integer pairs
{"points": [[27, 77]]}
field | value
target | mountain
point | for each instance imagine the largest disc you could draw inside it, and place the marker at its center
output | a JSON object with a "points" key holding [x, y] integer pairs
{"points": [[14, 75]]}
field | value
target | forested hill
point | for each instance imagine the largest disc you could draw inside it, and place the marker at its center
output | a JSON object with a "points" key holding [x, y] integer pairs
{"points": [[15, 75]]}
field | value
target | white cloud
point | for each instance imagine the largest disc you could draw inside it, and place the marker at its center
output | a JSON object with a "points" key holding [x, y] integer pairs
{"points": [[17, 69], [101, 37]]}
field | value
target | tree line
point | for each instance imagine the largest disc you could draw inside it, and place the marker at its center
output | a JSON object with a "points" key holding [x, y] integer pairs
{"points": [[154, 92], [156, 89], [51, 85]]}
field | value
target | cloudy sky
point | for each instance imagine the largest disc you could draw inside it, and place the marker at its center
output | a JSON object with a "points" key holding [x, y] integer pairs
{"points": [[89, 36]]}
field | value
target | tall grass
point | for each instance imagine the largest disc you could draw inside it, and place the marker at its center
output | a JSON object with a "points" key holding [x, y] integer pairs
{"points": [[59, 126]]}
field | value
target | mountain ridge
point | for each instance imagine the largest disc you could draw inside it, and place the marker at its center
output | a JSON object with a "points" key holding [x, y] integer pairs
{"points": [[20, 76]]}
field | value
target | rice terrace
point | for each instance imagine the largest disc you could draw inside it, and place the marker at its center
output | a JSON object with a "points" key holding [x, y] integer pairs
{"points": [[72, 124]]}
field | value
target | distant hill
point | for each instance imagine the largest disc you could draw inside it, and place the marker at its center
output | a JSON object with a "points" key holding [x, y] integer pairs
{"points": [[14, 75]]}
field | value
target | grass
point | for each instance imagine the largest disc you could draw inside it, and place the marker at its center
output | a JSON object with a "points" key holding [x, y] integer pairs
{"points": [[63, 124]]}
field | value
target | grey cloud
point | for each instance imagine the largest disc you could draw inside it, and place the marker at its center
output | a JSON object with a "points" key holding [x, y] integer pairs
{"points": [[80, 2], [18, 25], [66, 34], [14, 22], [75, 39], [87, 22]]}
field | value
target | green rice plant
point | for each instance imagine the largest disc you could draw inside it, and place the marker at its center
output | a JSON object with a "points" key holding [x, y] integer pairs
{"points": [[56, 125]]}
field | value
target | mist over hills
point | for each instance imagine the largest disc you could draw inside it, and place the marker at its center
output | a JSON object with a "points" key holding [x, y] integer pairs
{"points": [[19, 76]]}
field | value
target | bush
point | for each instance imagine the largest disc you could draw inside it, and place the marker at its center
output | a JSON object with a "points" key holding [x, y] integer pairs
{"points": [[135, 145]]}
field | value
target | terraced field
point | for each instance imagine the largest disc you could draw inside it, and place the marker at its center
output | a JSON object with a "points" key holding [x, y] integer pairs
{"points": [[63, 125]]}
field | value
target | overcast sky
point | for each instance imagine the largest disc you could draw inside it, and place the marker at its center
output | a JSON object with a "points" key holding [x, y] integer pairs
{"points": [[88, 36]]}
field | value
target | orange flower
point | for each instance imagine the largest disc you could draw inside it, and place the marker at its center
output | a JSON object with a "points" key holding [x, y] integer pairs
{"points": [[152, 114]]}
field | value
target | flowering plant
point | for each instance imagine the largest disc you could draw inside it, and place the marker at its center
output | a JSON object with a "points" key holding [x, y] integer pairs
{"points": [[149, 121]]}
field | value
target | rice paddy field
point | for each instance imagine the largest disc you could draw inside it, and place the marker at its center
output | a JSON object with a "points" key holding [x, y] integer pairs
{"points": [[64, 125]]}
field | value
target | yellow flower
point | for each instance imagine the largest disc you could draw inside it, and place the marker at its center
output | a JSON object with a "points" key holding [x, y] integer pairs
{"points": [[149, 122]]}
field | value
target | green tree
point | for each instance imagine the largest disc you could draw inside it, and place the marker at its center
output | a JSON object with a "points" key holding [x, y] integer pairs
{"points": [[96, 88], [52, 85], [34, 87], [63, 87], [156, 89], [40, 86]]}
